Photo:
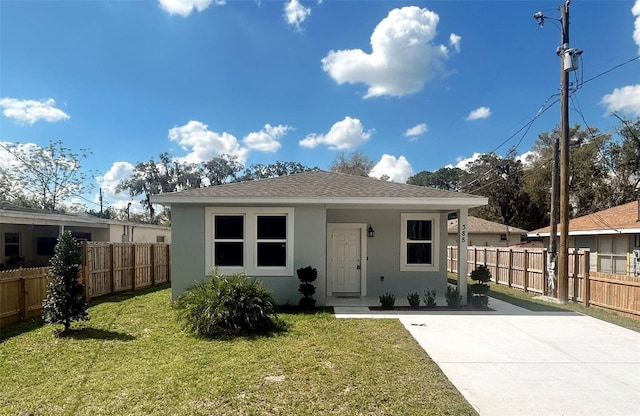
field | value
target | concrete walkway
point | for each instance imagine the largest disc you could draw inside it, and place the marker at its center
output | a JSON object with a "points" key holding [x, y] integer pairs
{"points": [[516, 362]]}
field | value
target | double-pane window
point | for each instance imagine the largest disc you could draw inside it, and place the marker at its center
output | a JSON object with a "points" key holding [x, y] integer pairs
{"points": [[418, 245], [272, 241], [229, 240]]}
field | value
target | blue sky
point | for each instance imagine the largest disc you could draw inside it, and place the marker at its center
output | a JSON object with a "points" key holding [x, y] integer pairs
{"points": [[413, 85]]}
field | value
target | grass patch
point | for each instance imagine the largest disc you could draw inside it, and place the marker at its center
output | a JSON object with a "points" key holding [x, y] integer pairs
{"points": [[528, 301], [132, 358]]}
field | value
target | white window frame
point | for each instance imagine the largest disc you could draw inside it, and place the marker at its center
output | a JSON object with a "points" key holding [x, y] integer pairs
{"points": [[5, 244], [435, 243], [610, 255], [250, 241]]}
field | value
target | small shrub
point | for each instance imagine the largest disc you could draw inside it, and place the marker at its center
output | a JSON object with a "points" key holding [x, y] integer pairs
{"points": [[65, 301], [227, 306], [388, 300], [414, 300], [481, 274], [453, 297], [478, 294], [430, 298], [306, 275]]}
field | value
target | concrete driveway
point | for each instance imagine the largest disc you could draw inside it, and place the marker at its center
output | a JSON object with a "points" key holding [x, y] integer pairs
{"points": [[516, 362]]}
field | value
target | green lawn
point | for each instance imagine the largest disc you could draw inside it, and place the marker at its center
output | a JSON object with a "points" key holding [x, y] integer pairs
{"points": [[132, 358]]}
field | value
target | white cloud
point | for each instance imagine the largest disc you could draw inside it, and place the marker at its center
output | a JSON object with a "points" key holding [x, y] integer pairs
{"points": [[636, 12], [185, 7], [110, 180], [30, 111], [398, 170], [403, 55], [462, 163], [625, 99], [345, 134], [267, 139], [295, 13], [526, 158], [204, 144], [414, 132], [108, 183], [454, 41], [478, 113]]}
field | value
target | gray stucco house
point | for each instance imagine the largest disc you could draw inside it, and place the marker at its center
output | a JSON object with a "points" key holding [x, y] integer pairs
{"points": [[364, 236]]}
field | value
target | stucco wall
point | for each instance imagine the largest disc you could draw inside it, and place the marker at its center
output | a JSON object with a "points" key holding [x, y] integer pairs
{"points": [[187, 248], [486, 240], [189, 257], [309, 250], [138, 233], [383, 252]]}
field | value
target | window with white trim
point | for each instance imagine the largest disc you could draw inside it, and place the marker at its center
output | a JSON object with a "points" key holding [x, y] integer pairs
{"points": [[257, 241], [11, 244], [612, 254], [418, 242]]}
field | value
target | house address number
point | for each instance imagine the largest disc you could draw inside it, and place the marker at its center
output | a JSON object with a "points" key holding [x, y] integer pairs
{"points": [[463, 234]]}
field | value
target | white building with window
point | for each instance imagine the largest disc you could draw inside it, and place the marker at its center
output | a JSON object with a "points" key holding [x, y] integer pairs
{"points": [[611, 235], [28, 236], [364, 236]]}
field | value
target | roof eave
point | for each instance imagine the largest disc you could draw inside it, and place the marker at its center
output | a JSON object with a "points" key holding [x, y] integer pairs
{"points": [[444, 202]]}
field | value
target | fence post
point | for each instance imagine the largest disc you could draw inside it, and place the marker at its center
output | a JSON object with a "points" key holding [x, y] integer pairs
{"points": [[84, 278], [133, 266], [153, 265], [168, 262], [576, 275], [22, 301], [545, 273], [587, 283], [112, 273], [525, 274], [510, 270]]}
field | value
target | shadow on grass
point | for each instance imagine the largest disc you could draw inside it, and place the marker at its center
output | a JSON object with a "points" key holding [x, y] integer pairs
{"points": [[94, 333], [127, 294], [20, 328], [526, 304]]}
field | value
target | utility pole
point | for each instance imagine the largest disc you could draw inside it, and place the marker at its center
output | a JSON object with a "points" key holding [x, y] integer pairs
{"points": [[552, 251], [568, 63], [100, 201]]}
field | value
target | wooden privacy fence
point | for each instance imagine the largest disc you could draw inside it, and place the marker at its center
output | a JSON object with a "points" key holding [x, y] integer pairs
{"points": [[526, 269], [106, 268]]}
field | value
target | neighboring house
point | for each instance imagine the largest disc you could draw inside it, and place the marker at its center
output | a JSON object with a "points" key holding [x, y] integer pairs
{"points": [[612, 236], [363, 235], [28, 236], [488, 233]]}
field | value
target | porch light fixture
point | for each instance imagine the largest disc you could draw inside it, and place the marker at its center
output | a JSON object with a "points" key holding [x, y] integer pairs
{"points": [[370, 231]]}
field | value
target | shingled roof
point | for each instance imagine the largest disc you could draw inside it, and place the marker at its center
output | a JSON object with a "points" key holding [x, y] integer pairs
{"points": [[616, 220], [317, 186], [480, 226]]}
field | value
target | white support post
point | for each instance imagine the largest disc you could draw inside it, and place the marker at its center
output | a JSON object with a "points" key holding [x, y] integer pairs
{"points": [[463, 243]]}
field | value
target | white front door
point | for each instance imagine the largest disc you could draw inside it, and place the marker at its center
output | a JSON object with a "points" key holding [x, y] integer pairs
{"points": [[345, 261]]}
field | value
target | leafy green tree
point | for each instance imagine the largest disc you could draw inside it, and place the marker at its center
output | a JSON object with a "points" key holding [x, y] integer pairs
{"points": [[355, 164], [450, 179], [222, 169], [273, 170], [590, 188], [622, 155], [501, 179], [65, 301], [167, 175], [43, 177]]}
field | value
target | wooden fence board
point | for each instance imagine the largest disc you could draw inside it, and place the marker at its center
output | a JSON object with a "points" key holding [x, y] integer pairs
{"points": [[106, 268]]}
